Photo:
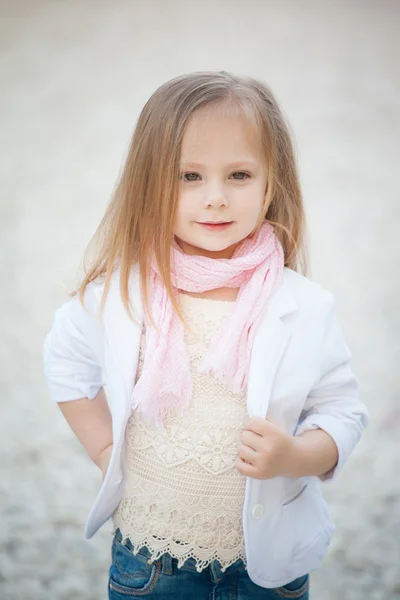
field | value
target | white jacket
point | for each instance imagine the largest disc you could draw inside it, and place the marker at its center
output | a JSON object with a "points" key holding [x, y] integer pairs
{"points": [[299, 376]]}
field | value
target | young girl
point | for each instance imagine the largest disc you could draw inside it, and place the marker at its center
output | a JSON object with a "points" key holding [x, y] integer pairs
{"points": [[229, 390]]}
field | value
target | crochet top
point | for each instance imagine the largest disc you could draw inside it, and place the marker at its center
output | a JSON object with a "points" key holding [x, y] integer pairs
{"points": [[183, 493]]}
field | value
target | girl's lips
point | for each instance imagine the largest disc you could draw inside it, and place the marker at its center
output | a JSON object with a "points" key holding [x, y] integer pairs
{"points": [[216, 226]]}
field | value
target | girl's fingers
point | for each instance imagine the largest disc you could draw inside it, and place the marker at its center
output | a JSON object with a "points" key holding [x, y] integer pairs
{"points": [[247, 454]]}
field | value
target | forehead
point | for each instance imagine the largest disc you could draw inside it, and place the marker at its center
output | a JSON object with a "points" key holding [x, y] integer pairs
{"points": [[220, 130]]}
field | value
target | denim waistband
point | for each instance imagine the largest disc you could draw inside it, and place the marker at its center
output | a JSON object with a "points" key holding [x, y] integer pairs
{"points": [[170, 564]]}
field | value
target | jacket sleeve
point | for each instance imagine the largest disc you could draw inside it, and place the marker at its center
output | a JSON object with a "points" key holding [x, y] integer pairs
{"points": [[333, 403], [72, 366]]}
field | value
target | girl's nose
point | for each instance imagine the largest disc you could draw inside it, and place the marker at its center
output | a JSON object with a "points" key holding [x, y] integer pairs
{"points": [[215, 196]]}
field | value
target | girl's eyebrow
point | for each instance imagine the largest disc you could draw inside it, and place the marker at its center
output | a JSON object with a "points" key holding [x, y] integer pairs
{"points": [[238, 163]]}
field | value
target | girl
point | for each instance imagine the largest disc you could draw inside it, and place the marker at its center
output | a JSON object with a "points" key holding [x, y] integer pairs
{"points": [[229, 390]]}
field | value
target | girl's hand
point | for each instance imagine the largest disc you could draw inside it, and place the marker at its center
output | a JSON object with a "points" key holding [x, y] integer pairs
{"points": [[103, 460], [267, 450]]}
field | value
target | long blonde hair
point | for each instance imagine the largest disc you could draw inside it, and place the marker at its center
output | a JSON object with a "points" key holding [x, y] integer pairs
{"points": [[138, 223]]}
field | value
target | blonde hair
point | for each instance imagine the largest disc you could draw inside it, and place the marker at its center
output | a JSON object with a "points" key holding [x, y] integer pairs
{"points": [[138, 223]]}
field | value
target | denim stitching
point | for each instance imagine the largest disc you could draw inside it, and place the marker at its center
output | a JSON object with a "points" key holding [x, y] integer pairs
{"points": [[154, 577], [293, 593], [121, 570], [238, 569]]}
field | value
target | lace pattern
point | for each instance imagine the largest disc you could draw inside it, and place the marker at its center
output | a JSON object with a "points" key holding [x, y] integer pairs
{"points": [[183, 494]]}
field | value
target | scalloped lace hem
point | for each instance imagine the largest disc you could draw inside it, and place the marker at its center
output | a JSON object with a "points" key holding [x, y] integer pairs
{"points": [[203, 557]]}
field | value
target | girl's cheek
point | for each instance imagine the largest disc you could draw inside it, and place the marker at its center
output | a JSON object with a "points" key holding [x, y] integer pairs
{"points": [[186, 204]]}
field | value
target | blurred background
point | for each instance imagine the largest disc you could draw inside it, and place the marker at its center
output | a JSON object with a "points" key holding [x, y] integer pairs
{"points": [[74, 76]]}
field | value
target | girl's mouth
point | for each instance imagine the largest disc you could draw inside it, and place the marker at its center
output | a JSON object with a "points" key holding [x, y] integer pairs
{"points": [[216, 226]]}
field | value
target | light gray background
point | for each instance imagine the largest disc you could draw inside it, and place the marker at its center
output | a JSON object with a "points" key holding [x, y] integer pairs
{"points": [[74, 76]]}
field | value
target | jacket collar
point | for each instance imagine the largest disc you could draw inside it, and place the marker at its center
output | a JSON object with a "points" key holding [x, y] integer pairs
{"points": [[270, 343], [122, 334], [282, 302]]}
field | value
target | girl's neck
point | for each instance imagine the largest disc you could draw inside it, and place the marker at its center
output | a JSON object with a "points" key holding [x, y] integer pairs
{"points": [[229, 294]]}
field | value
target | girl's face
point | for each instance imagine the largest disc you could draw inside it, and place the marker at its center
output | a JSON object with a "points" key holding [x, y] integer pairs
{"points": [[223, 180]]}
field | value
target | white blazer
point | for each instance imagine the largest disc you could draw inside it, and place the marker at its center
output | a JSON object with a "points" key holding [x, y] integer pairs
{"points": [[299, 376]]}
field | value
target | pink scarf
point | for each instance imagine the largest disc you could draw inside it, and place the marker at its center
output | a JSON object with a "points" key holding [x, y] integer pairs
{"points": [[256, 268]]}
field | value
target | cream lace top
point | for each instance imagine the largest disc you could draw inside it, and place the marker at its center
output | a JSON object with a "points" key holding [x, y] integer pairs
{"points": [[183, 494]]}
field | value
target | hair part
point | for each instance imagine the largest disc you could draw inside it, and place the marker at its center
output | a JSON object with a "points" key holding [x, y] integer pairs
{"points": [[139, 221]]}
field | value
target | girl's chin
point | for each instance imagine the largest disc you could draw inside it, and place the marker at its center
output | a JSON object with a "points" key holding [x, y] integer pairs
{"points": [[207, 249]]}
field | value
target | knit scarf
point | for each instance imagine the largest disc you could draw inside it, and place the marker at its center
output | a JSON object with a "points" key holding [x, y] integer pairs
{"points": [[255, 268]]}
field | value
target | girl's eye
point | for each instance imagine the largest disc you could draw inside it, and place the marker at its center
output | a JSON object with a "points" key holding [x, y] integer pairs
{"points": [[241, 174], [189, 176], [193, 176]]}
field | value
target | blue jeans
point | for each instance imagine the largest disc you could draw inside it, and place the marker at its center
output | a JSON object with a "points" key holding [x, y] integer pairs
{"points": [[131, 575]]}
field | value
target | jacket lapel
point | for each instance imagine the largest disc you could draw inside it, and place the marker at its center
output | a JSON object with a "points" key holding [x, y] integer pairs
{"points": [[270, 343], [122, 336]]}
